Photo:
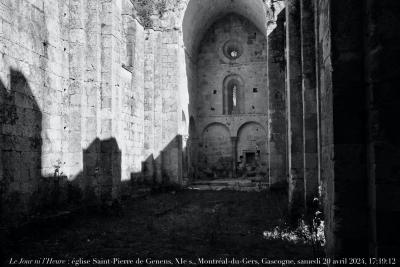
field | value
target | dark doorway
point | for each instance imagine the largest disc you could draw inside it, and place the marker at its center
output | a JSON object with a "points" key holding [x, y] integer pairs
{"points": [[250, 158]]}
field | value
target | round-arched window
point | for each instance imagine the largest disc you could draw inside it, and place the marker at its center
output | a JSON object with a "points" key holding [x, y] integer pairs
{"points": [[233, 95], [232, 49]]}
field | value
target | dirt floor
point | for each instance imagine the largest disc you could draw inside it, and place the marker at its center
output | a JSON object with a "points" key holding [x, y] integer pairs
{"points": [[187, 224]]}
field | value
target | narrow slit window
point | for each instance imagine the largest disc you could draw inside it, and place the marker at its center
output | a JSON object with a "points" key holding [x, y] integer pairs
{"points": [[234, 91], [232, 97]]}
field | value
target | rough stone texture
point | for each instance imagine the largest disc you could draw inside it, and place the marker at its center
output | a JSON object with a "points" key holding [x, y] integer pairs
{"points": [[294, 108], [215, 72], [162, 112], [252, 151], [215, 152], [200, 14], [277, 95], [343, 130], [67, 106], [309, 100], [90, 101], [326, 124], [89, 97], [34, 71], [133, 103], [357, 77]]}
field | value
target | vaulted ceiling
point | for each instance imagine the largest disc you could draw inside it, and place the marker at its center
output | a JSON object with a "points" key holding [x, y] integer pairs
{"points": [[200, 14]]}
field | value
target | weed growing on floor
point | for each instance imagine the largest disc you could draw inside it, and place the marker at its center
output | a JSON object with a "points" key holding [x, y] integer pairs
{"points": [[308, 230], [303, 233]]}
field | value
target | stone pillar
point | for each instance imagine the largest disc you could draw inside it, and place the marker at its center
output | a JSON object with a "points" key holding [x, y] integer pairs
{"points": [[149, 151], [276, 97], [343, 127], [309, 101], [129, 23], [318, 65], [73, 123], [294, 108], [110, 100], [382, 79], [158, 86], [234, 155]]}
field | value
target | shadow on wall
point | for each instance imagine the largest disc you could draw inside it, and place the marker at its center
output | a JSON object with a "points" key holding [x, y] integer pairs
{"points": [[166, 168], [21, 144], [24, 192], [99, 182]]}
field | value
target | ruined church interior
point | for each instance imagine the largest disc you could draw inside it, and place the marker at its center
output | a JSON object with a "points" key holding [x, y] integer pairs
{"points": [[253, 132]]}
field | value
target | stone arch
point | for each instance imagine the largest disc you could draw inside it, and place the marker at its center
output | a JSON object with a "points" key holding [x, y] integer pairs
{"points": [[252, 150], [196, 20], [251, 122], [215, 152], [200, 14], [214, 124], [233, 95]]}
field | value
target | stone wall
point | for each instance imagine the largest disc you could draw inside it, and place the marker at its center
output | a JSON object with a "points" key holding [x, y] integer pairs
{"points": [[358, 149], [252, 151], [295, 112], [72, 102], [91, 99], [214, 66], [133, 102], [162, 108], [382, 75], [215, 70], [277, 95], [309, 95], [214, 153], [35, 77]]}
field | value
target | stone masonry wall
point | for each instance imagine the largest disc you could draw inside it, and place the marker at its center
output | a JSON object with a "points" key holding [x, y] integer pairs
{"points": [[326, 102], [382, 75], [294, 96], [277, 96], [214, 153], [214, 69], [71, 103], [161, 103], [343, 121], [35, 76], [90, 99]]}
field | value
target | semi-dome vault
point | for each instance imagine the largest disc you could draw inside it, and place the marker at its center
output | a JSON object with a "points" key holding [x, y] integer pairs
{"points": [[200, 14]]}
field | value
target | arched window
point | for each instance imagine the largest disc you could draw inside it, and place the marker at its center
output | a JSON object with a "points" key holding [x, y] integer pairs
{"points": [[233, 95], [234, 90]]}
